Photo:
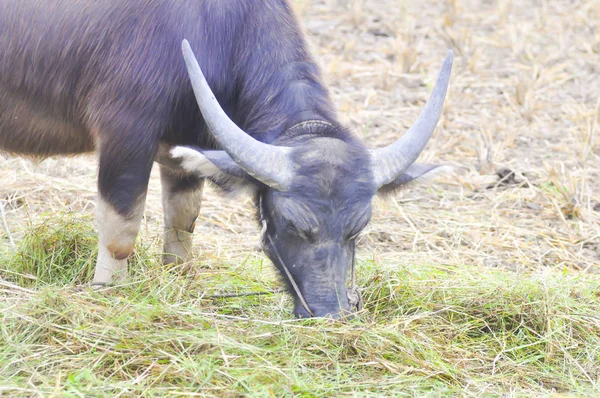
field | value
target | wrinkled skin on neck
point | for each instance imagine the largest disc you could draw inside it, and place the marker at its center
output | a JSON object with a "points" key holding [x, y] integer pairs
{"points": [[312, 228]]}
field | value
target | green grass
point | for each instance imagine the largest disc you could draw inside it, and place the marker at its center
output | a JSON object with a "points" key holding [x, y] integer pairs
{"points": [[427, 330]]}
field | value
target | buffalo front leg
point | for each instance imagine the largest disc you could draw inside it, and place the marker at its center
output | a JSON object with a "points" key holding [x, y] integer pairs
{"points": [[122, 183], [181, 199]]}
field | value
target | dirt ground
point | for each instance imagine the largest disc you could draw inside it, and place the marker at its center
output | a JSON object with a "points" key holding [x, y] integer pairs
{"points": [[520, 126]]}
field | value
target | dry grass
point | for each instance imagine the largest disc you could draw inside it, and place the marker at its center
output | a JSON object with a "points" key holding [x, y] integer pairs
{"points": [[484, 284]]}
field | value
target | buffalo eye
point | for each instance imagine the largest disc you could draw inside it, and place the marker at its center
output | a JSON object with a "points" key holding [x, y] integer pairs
{"points": [[304, 234]]}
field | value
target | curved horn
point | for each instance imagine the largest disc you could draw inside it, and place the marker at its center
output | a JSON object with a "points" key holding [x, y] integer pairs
{"points": [[391, 161], [269, 164]]}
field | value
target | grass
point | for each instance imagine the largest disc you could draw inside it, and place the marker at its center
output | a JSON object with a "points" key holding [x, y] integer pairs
{"points": [[426, 330]]}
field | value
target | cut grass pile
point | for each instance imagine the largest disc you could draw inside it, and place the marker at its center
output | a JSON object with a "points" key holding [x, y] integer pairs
{"points": [[425, 330]]}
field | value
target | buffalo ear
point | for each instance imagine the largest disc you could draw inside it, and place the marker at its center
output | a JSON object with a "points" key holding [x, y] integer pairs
{"points": [[216, 166], [415, 174]]}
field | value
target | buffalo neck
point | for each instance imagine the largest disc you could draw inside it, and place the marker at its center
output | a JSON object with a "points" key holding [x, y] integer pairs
{"points": [[290, 95]]}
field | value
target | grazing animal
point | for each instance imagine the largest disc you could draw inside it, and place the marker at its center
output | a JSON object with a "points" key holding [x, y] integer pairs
{"points": [[108, 76]]}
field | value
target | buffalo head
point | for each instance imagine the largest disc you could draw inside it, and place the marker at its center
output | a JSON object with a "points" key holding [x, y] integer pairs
{"points": [[314, 188]]}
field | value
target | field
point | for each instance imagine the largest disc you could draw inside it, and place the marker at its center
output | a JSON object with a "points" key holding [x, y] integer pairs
{"points": [[484, 283]]}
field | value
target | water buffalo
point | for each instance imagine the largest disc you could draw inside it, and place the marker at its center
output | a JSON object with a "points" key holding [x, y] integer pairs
{"points": [[108, 76]]}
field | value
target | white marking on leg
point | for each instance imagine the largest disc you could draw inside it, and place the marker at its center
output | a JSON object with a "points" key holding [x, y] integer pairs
{"points": [[116, 239], [108, 269], [180, 211]]}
